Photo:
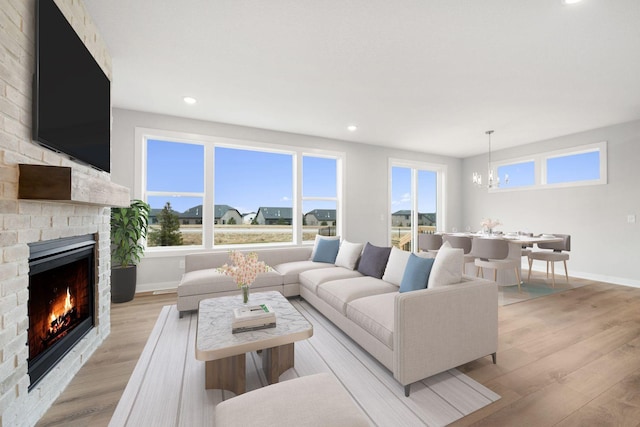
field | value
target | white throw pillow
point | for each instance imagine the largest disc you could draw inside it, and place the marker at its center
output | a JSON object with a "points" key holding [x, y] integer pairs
{"points": [[447, 267], [348, 254], [396, 264], [315, 243]]}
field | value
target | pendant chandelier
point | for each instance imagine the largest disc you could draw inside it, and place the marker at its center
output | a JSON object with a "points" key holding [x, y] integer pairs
{"points": [[492, 182]]}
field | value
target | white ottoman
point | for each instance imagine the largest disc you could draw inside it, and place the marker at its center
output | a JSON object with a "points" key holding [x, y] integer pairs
{"points": [[314, 400]]}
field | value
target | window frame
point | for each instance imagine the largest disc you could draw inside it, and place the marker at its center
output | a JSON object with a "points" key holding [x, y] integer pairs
{"points": [[142, 135], [540, 167], [415, 166]]}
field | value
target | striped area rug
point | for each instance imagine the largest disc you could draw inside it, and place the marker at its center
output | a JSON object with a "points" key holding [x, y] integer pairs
{"points": [[167, 386]]}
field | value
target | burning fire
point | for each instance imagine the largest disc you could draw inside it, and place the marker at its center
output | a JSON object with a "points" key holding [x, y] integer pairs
{"points": [[59, 322]]}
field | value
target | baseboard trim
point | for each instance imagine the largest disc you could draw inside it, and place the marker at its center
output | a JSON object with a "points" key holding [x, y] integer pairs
{"points": [[625, 281], [156, 287]]}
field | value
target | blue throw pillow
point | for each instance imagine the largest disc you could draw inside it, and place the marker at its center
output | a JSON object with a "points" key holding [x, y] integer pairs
{"points": [[327, 251], [416, 273], [373, 260]]}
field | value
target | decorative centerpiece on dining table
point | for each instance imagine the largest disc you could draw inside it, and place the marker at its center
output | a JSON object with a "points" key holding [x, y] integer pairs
{"points": [[489, 224], [244, 270]]}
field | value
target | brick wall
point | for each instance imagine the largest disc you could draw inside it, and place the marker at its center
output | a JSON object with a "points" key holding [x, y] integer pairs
{"points": [[23, 222]]}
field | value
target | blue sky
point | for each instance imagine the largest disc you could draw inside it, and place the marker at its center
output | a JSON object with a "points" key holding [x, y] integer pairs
{"points": [[401, 190], [244, 179]]}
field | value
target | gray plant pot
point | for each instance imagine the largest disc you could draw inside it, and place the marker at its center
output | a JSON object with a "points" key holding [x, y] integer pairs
{"points": [[123, 283]]}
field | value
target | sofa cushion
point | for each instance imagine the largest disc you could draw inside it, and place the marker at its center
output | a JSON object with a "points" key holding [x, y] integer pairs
{"points": [[317, 240], [375, 315], [310, 279], [416, 275], [396, 264], [326, 251], [447, 267], [339, 293], [211, 280], [291, 270], [349, 254], [373, 260]]}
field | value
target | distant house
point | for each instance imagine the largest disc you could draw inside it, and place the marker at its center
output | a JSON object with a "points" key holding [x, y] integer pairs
{"points": [[225, 213], [402, 218], [427, 219], [248, 217], [274, 216], [191, 216], [154, 214], [320, 217]]}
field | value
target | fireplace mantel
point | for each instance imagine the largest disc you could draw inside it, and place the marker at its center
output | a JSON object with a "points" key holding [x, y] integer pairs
{"points": [[67, 185]]}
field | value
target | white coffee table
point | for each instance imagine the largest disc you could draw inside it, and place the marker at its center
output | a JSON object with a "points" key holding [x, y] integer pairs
{"points": [[224, 352]]}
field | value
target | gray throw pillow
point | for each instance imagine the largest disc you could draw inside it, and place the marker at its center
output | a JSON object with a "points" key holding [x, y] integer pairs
{"points": [[373, 260]]}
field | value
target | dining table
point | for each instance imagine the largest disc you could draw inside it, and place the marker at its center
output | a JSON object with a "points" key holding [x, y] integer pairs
{"points": [[516, 243]]}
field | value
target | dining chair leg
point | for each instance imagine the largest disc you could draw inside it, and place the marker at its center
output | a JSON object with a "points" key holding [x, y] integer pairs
{"points": [[553, 274], [530, 264], [495, 275], [566, 273], [547, 269], [518, 278]]}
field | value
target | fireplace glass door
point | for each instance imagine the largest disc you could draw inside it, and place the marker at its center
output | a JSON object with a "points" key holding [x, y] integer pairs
{"points": [[61, 283]]}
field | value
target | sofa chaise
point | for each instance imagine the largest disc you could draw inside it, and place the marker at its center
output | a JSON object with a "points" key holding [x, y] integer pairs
{"points": [[415, 334]]}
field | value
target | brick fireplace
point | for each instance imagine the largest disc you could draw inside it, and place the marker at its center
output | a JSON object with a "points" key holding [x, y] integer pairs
{"points": [[27, 222]]}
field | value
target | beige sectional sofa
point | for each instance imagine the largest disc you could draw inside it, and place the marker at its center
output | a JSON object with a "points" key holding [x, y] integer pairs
{"points": [[414, 334]]}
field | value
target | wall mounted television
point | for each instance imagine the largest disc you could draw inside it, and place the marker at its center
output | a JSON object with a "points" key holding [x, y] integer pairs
{"points": [[71, 93]]}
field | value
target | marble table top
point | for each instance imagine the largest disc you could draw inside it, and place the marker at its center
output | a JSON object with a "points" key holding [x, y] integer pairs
{"points": [[214, 339]]}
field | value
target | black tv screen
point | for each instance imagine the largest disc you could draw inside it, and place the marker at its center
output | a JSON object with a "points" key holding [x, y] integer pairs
{"points": [[72, 95]]}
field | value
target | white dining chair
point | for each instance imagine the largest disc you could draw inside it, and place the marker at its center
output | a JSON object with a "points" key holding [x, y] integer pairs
{"points": [[492, 254], [552, 252], [461, 242]]}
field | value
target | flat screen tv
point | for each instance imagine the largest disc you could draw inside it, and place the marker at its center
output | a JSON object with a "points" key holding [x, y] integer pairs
{"points": [[71, 93]]}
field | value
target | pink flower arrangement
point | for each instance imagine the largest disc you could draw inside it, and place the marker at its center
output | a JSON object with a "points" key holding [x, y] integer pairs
{"points": [[245, 268], [489, 224]]}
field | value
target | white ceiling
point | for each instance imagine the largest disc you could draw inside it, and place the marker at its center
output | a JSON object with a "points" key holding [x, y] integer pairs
{"points": [[425, 75]]}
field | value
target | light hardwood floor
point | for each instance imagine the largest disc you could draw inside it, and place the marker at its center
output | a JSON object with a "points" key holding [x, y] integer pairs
{"points": [[569, 359]]}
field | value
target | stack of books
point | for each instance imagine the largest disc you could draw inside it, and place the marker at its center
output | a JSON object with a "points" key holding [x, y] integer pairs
{"points": [[252, 317]]}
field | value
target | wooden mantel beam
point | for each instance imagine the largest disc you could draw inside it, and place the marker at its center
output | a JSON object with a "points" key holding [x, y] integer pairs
{"points": [[67, 185]]}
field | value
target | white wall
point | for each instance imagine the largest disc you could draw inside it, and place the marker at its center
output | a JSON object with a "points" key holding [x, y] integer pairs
{"points": [[604, 246], [366, 198]]}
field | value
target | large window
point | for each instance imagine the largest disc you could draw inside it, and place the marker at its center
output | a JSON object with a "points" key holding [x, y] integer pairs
{"points": [[207, 191], [415, 201], [575, 166]]}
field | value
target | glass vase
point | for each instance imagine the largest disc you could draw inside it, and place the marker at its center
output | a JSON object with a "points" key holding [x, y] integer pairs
{"points": [[245, 293]]}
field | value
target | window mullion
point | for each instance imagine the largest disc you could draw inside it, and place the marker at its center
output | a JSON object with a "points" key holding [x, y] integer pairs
{"points": [[208, 201], [297, 199]]}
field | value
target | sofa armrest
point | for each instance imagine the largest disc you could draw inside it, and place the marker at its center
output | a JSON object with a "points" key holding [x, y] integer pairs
{"points": [[441, 328]]}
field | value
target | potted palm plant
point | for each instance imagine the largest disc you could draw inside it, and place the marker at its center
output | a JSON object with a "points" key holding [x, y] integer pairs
{"points": [[128, 230]]}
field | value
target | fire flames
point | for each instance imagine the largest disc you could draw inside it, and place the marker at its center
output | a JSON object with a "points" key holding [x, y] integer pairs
{"points": [[60, 318]]}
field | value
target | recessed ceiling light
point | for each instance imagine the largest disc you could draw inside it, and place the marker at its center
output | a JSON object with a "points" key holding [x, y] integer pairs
{"points": [[352, 128], [189, 100], [571, 1]]}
